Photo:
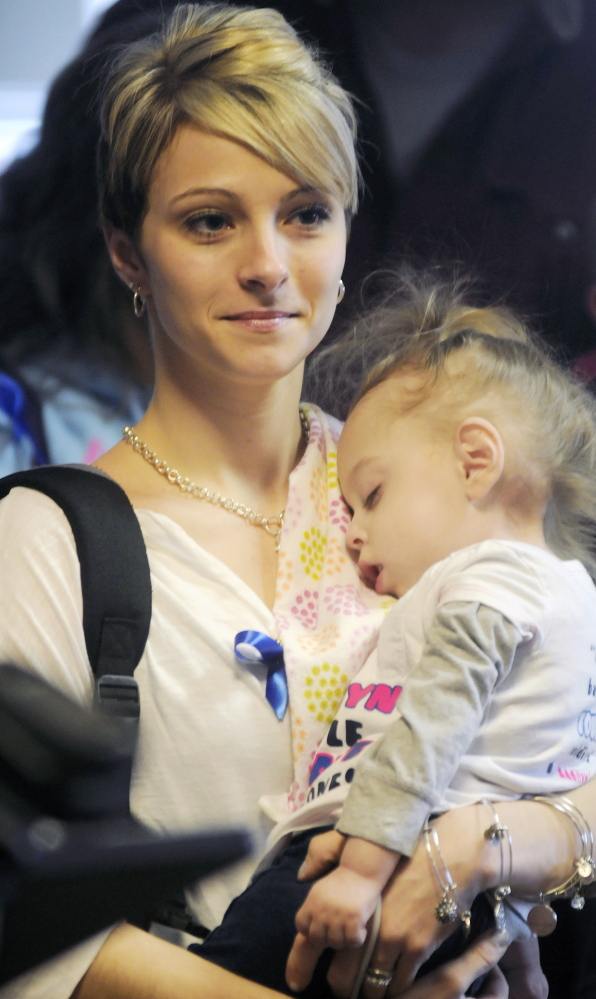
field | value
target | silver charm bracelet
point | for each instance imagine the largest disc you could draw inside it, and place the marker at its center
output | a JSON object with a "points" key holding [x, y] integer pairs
{"points": [[498, 833], [542, 919], [450, 907]]}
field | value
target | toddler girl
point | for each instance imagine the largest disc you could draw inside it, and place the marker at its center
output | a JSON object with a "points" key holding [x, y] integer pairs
{"points": [[468, 463]]}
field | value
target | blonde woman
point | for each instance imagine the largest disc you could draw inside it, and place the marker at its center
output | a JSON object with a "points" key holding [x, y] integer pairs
{"points": [[228, 178]]}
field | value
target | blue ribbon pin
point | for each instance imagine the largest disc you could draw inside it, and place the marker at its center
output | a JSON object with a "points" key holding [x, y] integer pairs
{"points": [[257, 647]]}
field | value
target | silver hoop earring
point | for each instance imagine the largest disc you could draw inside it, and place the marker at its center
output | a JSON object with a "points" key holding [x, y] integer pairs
{"points": [[138, 303], [341, 292]]}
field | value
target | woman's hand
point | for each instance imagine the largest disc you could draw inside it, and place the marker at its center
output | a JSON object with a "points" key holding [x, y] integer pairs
{"points": [[409, 931], [521, 965], [450, 981], [518, 976]]}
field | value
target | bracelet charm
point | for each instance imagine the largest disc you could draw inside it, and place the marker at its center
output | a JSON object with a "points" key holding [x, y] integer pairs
{"points": [[450, 907], [586, 870], [542, 919], [446, 910]]}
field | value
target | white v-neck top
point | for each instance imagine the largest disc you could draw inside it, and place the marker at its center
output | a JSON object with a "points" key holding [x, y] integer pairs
{"points": [[210, 745]]}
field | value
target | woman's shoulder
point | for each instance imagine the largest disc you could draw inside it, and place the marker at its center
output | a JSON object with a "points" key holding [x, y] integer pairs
{"points": [[28, 511], [41, 609], [34, 531]]}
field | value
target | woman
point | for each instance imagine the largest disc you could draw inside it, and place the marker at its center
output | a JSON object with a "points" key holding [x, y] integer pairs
{"points": [[228, 176]]}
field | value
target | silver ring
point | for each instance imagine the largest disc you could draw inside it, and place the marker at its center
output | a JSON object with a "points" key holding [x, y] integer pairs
{"points": [[374, 976]]}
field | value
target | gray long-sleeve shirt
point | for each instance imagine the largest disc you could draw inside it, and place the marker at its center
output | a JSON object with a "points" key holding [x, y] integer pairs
{"points": [[483, 686]]}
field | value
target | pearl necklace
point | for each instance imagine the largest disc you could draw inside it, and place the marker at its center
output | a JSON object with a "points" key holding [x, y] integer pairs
{"points": [[272, 525]]}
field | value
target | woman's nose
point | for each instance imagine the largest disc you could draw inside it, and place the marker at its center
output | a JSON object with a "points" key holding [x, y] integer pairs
{"points": [[265, 267]]}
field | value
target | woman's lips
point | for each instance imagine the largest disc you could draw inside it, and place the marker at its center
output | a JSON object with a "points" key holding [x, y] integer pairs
{"points": [[261, 320]]}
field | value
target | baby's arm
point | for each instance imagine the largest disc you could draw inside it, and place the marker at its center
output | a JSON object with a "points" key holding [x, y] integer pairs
{"points": [[404, 774], [339, 906]]}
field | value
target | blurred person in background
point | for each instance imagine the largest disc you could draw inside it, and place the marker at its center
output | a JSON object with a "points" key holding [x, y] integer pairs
{"points": [[479, 143], [75, 365]]}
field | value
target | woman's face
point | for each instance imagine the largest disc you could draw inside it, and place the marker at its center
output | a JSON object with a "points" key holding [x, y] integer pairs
{"points": [[239, 262]]}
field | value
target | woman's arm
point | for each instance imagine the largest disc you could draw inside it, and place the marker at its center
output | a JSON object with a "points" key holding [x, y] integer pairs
{"points": [[544, 850], [134, 965], [545, 844]]}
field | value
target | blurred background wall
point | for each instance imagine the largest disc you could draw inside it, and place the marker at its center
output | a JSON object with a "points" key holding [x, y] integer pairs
{"points": [[36, 38]]}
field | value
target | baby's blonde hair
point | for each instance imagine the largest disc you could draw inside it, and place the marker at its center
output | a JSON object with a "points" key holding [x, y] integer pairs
{"points": [[236, 72], [484, 361]]}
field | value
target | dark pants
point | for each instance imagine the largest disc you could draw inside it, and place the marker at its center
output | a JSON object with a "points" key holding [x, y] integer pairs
{"points": [[258, 929]]}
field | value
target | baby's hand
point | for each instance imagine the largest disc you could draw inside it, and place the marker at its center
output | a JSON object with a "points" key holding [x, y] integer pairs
{"points": [[339, 906], [324, 852], [337, 909]]}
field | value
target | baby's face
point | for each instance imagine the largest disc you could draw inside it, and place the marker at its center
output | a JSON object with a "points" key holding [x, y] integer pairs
{"points": [[405, 488]]}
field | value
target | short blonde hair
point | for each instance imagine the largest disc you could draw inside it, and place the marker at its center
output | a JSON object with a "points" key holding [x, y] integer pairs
{"points": [[484, 361], [236, 72]]}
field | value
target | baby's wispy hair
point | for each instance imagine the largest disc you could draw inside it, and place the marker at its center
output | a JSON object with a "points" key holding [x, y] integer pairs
{"points": [[483, 360]]}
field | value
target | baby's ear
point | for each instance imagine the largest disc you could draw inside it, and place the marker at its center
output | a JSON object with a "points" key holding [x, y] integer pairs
{"points": [[480, 454]]}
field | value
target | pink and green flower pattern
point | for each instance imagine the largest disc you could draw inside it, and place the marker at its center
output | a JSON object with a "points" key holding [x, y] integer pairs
{"points": [[327, 620]]}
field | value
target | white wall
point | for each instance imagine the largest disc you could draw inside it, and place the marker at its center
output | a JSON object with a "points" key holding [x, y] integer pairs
{"points": [[36, 38]]}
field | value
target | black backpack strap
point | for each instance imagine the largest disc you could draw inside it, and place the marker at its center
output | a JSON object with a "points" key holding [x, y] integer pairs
{"points": [[115, 577]]}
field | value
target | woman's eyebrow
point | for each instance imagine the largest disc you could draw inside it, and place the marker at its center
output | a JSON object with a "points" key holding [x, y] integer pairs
{"points": [[193, 191], [306, 189], [232, 196]]}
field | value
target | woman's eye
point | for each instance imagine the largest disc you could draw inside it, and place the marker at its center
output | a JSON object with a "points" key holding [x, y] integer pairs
{"points": [[312, 216], [372, 498], [207, 223]]}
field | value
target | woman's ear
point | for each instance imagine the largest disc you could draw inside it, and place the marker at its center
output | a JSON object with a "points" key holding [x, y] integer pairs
{"points": [[126, 259], [480, 454]]}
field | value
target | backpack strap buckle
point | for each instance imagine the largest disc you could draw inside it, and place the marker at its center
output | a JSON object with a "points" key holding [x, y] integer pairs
{"points": [[118, 696]]}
